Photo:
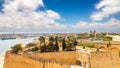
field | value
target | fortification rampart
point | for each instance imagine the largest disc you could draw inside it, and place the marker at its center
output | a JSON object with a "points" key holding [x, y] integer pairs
{"points": [[105, 59], [69, 57], [95, 59], [44, 60]]}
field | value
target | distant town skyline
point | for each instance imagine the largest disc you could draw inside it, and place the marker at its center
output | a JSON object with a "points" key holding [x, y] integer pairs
{"points": [[69, 16]]}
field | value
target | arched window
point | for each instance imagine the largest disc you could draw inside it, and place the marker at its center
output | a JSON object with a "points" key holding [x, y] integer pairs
{"points": [[78, 62]]}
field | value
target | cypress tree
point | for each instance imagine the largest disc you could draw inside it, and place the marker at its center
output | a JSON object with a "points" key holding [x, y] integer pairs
{"points": [[51, 46], [63, 44], [51, 39], [75, 43], [42, 39], [56, 44]]}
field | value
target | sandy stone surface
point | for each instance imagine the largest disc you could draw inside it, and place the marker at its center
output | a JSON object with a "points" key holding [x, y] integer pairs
{"points": [[76, 66], [1, 61]]}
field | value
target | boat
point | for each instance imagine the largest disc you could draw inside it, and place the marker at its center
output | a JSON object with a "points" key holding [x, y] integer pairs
{"points": [[7, 38]]}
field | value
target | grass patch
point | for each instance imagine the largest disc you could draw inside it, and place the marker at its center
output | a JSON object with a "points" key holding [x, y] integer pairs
{"points": [[87, 44]]}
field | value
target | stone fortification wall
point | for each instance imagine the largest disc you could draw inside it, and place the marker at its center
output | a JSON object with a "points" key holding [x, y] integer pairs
{"points": [[21, 61], [105, 60], [100, 59], [68, 57]]}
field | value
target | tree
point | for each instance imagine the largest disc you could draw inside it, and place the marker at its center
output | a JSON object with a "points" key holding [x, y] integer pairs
{"points": [[75, 43], [108, 45], [56, 38], [16, 48], [51, 39], [69, 46], [56, 44], [42, 39], [51, 46], [44, 48], [30, 45], [107, 38], [63, 44], [35, 49]]}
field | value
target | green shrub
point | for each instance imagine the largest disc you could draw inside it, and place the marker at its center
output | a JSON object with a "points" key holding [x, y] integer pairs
{"points": [[35, 49], [69, 46], [51, 47], [30, 45], [44, 48], [16, 48], [107, 38]]}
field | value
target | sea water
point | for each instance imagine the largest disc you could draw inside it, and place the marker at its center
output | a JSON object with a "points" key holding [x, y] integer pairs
{"points": [[6, 44]]}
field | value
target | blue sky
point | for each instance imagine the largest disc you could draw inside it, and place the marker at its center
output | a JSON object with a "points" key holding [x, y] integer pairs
{"points": [[72, 10], [59, 15]]}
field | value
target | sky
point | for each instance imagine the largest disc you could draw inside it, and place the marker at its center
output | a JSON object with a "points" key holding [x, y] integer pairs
{"points": [[46, 16]]}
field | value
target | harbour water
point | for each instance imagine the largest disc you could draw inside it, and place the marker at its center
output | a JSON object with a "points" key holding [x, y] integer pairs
{"points": [[6, 44]]}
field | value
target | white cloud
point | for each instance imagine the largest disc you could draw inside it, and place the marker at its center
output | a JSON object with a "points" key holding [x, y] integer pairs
{"points": [[52, 14], [105, 9], [110, 24], [28, 18], [28, 5]]}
